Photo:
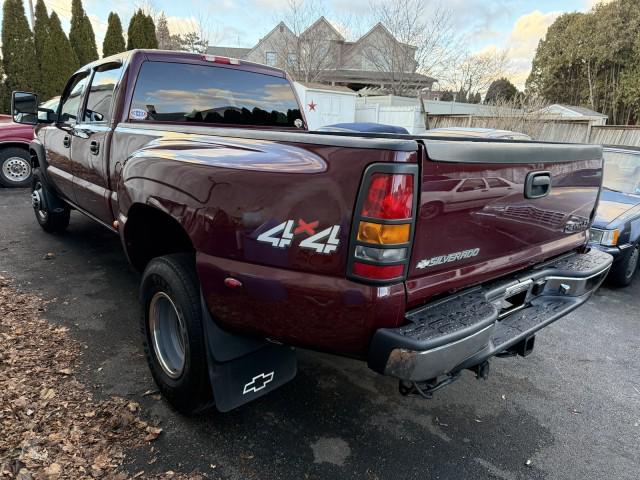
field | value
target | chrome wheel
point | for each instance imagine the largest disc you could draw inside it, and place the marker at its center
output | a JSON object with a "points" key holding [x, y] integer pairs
{"points": [[168, 334], [16, 169], [37, 203]]}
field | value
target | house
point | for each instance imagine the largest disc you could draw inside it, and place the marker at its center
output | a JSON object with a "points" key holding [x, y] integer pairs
{"points": [[321, 54], [571, 112]]}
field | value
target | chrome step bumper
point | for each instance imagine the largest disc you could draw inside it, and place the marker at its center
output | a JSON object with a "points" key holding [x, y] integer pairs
{"points": [[466, 329]]}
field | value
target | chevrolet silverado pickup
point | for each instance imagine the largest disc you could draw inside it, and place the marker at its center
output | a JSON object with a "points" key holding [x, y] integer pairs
{"points": [[424, 256]]}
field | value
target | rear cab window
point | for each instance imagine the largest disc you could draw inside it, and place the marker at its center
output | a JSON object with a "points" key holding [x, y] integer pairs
{"points": [[188, 93]]}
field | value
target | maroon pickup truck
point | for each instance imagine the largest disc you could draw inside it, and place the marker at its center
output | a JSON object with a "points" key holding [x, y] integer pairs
{"points": [[424, 256]]}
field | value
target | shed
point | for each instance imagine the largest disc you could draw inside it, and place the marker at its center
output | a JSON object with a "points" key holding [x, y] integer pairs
{"points": [[325, 104]]}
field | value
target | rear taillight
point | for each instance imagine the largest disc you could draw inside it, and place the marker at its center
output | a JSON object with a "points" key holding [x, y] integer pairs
{"points": [[389, 196], [383, 223]]}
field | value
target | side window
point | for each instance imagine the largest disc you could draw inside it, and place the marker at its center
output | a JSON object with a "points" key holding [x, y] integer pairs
{"points": [[71, 104], [103, 84], [496, 182], [472, 184]]}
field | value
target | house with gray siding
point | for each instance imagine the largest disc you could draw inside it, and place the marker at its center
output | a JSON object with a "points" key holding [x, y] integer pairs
{"points": [[321, 54]]}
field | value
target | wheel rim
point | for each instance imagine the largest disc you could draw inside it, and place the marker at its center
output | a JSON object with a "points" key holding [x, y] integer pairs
{"points": [[633, 262], [168, 334], [37, 203], [16, 169], [430, 210]]}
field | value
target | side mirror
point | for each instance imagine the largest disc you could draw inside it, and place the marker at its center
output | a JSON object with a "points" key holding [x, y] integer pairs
{"points": [[24, 108]]}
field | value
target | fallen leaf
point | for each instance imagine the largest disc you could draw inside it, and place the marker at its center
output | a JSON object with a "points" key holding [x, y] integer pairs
{"points": [[152, 433], [133, 406], [47, 393], [65, 371], [53, 470]]}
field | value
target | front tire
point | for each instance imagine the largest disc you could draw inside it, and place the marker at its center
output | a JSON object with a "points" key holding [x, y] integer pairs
{"points": [[623, 273], [15, 167], [174, 339], [51, 213]]}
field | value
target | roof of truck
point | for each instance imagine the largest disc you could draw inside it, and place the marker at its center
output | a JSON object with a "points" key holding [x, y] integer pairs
{"points": [[156, 55]]}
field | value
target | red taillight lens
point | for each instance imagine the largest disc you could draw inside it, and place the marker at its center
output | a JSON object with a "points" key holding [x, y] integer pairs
{"points": [[390, 196], [377, 272]]}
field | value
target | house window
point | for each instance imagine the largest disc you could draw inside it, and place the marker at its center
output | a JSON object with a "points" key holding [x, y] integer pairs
{"points": [[270, 59], [292, 60]]}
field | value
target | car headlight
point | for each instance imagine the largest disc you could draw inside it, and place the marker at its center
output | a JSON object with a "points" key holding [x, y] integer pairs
{"points": [[608, 238]]}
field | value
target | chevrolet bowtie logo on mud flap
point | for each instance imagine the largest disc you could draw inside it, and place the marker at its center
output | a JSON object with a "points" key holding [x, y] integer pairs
{"points": [[452, 257], [258, 382]]}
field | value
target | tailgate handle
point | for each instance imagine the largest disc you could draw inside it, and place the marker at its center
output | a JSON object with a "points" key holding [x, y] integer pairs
{"points": [[537, 185]]}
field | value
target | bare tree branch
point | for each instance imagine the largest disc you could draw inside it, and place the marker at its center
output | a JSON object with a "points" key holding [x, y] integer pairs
{"points": [[421, 39]]}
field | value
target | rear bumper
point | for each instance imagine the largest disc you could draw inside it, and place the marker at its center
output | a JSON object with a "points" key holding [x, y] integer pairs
{"points": [[466, 329]]}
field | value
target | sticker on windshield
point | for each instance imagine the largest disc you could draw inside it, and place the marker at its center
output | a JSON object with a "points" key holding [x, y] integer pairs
{"points": [[138, 114]]}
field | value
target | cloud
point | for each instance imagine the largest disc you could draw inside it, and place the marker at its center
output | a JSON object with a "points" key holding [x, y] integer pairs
{"points": [[589, 4], [523, 41], [182, 25]]}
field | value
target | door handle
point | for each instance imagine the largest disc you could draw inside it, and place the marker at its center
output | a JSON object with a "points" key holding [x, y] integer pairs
{"points": [[537, 185], [66, 141], [94, 147]]}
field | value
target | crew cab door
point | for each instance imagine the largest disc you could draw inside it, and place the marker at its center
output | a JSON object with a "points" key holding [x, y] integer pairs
{"points": [[58, 137], [90, 144]]}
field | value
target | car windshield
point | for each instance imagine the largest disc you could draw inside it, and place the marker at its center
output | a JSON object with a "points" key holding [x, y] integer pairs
{"points": [[622, 171]]}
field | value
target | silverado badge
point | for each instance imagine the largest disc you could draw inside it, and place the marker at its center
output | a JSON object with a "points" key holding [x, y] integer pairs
{"points": [[452, 257]]}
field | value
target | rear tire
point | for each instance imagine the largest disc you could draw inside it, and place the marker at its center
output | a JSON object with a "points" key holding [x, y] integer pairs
{"points": [[15, 167], [174, 339], [624, 272], [51, 213]]}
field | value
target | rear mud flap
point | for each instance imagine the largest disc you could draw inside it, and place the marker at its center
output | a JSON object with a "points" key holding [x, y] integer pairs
{"points": [[241, 368]]}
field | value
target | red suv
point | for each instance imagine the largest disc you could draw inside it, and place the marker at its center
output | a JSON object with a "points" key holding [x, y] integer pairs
{"points": [[15, 166]]}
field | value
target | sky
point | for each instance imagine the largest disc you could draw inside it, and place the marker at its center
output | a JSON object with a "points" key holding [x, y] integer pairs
{"points": [[514, 25]]}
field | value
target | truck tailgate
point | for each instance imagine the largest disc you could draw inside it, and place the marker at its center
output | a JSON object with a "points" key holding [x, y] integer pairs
{"points": [[485, 209]]}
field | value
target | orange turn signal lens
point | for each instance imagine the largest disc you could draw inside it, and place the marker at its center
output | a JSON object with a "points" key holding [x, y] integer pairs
{"points": [[380, 234]]}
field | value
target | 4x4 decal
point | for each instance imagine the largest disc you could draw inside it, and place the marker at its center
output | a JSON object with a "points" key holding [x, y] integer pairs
{"points": [[281, 236]]}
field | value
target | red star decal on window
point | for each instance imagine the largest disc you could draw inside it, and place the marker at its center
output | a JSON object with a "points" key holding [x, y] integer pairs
{"points": [[312, 106]]}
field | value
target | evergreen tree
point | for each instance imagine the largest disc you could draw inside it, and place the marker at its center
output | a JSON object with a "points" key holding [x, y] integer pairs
{"points": [[500, 90], [135, 31], [18, 51], [4, 94], [141, 32], [113, 39], [59, 60], [41, 37], [447, 96], [150, 32], [81, 34]]}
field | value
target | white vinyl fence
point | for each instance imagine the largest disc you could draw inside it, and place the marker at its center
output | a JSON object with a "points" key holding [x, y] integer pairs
{"points": [[408, 117]]}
